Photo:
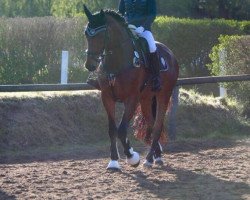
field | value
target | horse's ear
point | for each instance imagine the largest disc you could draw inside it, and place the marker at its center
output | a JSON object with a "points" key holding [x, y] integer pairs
{"points": [[87, 12]]}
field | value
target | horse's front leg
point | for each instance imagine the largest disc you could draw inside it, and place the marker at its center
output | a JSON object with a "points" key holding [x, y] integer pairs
{"points": [[109, 105], [133, 157], [114, 155]]}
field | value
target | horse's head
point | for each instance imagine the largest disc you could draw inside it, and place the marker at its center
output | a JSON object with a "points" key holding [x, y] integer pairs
{"points": [[96, 38]]}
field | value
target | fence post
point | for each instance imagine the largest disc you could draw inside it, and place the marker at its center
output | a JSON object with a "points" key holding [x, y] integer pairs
{"points": [[172, 114], [222, 56], [64, 67]]}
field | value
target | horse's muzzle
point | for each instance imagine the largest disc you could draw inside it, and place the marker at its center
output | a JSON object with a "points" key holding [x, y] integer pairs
{"points": [[90, 67]]}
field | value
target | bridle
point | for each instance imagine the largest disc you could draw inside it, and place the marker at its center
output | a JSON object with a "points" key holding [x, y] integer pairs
{"points": [[99, 56], [91, 32]]}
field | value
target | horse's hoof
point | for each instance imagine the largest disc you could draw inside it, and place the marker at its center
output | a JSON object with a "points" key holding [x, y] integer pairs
{"points": [[147, 164], [158, 161], [113, 170], [113, 166], [134, 161], [136, 165]]}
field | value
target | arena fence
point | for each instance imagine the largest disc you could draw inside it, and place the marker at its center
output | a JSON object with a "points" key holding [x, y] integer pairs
{"points": [[172, 113]]}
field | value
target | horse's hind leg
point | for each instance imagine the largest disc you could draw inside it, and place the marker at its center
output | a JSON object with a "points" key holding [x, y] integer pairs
{"points": [[147, 112], [109, 105], [157, 155], [158, 149], [162, 104], [132, 157]]}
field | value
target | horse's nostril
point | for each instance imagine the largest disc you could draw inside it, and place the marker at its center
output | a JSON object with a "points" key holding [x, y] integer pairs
{"points": [[90, 67]]}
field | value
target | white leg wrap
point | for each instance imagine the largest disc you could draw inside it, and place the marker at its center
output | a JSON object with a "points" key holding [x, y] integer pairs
{"points": [[147, 164], [113, 164], [135, 159], [158, 161], [160, 146]]}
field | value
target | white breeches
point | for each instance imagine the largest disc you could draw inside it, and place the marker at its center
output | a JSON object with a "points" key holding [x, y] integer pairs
{"points": [[150, 39]]}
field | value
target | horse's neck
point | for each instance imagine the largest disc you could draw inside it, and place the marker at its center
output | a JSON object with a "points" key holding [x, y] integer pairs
{"points": [[120, 46]]}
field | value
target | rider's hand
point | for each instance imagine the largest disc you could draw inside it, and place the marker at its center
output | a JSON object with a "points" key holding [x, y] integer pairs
{"points": [[139, 30]]}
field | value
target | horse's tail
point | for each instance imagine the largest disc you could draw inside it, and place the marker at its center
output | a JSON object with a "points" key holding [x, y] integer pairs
{"points": [[140, 126]]}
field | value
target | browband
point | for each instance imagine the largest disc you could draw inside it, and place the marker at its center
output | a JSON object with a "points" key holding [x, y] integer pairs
{"points": [[94, 31]]}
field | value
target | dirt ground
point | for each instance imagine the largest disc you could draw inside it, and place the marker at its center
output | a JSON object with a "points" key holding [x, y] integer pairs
{"points": [[192, 170]]}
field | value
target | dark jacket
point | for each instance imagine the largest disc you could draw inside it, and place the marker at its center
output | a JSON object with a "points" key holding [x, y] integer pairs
{"points": [[138, 12]]}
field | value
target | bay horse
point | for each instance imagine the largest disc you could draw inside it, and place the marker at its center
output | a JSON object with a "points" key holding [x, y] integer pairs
{"points": [[111, 52]]}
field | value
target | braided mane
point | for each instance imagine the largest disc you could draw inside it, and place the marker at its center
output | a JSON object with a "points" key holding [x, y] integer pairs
{"points": [[112, 13], [118, 17]]}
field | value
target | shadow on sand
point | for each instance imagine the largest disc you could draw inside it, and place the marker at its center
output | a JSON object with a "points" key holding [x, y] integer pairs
{"points": [[4, 196], [95, 152], [190, 185]]}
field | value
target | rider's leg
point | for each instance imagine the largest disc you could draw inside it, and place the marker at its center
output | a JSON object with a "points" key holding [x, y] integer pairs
{"points": [[154, 59]]}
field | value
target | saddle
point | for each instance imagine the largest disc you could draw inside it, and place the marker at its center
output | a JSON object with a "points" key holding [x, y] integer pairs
{"points": [[141, 57], [141, 51], [141, 48]]}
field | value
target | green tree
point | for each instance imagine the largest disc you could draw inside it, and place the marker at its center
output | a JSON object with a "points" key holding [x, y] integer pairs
{"points": [[177, 8], [228, 9], [232, 56], [65, 8], [25, 8]]}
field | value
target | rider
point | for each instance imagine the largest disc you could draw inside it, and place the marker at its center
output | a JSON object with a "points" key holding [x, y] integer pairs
{"points": [[142, 13]]}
